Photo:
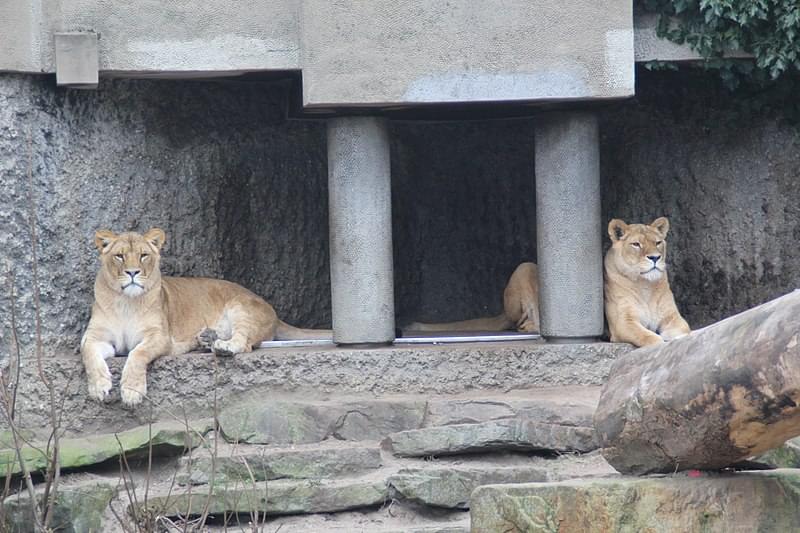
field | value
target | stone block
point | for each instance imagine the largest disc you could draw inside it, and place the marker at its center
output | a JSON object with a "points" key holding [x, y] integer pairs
{"points": [[509, 434], [77, 60], [725, 503]]}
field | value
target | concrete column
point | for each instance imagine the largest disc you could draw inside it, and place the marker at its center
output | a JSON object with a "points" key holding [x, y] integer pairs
{"points": [[360, 212], [568, 226]]}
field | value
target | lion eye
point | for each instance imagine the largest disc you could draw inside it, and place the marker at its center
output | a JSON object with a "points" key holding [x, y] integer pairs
{"points": [[119, 257], [636, 245], [659, 243], [144, 256]]}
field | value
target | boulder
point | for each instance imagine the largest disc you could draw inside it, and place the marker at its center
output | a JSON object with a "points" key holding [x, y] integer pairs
{"points": [[707, 400], [79, 507], [753, 501]]}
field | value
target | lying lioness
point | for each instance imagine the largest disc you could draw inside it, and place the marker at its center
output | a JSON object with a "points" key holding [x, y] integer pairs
{"points": [[520, 308], [640, 308], [138, 312]]}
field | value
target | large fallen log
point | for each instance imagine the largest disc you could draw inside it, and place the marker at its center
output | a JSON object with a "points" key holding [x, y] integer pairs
{"points": [[705, 401]]}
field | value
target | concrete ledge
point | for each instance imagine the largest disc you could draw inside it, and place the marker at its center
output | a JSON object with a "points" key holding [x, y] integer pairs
{"points": [[186, 383]]}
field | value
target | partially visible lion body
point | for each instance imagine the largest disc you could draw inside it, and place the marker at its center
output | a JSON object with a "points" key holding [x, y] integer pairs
{"points": [[138, 312], [520, 307], [640, 308]]}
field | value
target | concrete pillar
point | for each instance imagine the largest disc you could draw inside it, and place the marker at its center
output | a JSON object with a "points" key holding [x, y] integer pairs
{"points": [[568, 226], [360, 212]]}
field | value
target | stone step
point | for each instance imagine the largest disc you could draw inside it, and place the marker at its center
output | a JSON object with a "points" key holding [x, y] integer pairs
{"points": [[509, 434], [163, 438], [278, 497], [190, 383], [282, 422], [743, 501], [244, 464], [444, 484]]}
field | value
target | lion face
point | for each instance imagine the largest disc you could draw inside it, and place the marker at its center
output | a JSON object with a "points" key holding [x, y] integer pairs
{"points": [[130, 262], [640, 250]]}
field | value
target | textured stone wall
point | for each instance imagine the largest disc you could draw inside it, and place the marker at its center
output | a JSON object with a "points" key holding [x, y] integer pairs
{"points": [[241, 191], [729, 185], [216, 165]]}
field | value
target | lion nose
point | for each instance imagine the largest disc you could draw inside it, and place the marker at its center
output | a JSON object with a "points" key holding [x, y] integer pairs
{"points": [[654, 258], [132, 273]]}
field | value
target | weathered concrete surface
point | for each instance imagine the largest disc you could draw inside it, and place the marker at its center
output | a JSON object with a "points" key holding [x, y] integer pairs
{"points": [[706, 400], [184, 386], [391, 51], [763, 501], [509, 434], [567, 217], [360, 205]]}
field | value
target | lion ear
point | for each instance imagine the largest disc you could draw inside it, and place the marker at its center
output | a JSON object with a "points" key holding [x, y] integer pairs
{"points": [[156, 237], [617, 229], [661, 225], [103, 238]]}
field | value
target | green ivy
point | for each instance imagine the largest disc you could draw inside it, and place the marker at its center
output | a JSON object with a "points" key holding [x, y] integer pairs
{"points": [[769, 30]]}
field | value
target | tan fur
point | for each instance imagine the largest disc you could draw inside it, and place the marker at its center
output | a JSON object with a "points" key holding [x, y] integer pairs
{"points": [[165, 315], [640, 308], [520, 307]]}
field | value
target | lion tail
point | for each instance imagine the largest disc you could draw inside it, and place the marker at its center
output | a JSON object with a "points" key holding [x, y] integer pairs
{"points": [[287, 332]]}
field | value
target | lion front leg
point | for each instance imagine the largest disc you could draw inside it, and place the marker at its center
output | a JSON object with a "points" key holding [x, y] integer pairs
{"points": [[94, 353], [133, 384], [628, 328]]}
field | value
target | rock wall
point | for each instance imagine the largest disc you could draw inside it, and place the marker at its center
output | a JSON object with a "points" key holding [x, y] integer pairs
{"points": [[728, 183], [241, 191]]}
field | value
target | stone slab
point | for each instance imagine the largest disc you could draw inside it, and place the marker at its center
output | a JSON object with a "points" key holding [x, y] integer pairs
{"points": [[753, 501], [163, 438], [509, 434], [297, 422], [274, 497], [450, 487], [184, 385], [255, 463], [79, 508]]}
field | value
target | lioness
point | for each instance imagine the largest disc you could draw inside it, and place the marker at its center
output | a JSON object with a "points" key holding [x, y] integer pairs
{"points": [[138, 312], [640, 308], [520, 307]]}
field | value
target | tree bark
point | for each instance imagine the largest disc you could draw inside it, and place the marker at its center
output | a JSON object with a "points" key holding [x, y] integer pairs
{"points": [[705, 401]]}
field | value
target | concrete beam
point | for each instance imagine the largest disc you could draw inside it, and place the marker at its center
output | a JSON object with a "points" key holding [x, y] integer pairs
{"points": [[77, 60], [360, 203], [568, 226]]}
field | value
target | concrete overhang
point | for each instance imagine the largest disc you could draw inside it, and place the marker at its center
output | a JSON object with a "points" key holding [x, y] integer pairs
{"points": [[356, 55]]}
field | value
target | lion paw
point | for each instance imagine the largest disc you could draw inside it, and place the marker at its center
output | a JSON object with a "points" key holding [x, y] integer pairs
{"points": [[206, 338], [100, 383], [132, 386], [528, 327], [223, 348]]}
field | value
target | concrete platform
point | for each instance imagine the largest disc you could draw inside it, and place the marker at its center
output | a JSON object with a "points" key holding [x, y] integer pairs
{"points": [[186, 386]]}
